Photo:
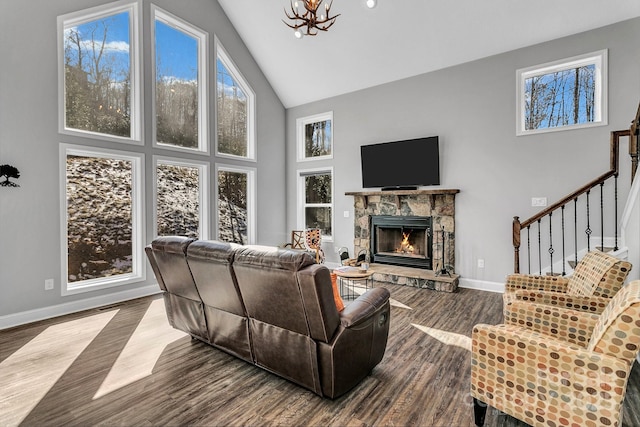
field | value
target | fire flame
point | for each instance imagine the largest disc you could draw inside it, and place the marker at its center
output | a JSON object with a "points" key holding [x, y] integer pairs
{"points": [[405, 246]]}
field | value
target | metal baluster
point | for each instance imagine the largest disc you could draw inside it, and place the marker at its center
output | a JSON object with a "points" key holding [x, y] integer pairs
{"points": [[615, 219], [588, 230], [529, 248], [575, 229], [564, 254], [551, 250], [539, 248], [602, 216]]}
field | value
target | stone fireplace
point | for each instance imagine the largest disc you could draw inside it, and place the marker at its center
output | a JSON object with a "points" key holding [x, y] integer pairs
{"points": [[427, 217]]}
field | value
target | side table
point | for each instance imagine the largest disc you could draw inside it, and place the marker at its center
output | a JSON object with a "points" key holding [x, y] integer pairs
{"points": [[351, 278]]}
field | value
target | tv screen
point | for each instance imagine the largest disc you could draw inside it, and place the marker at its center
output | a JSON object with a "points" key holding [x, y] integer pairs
{"points": [[410, 163]]}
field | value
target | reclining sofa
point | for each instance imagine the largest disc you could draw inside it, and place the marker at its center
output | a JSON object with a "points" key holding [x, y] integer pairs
{"points": [[273, 308]]}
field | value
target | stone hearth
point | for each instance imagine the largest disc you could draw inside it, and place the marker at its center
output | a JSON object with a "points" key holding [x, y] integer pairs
{"points": [[439, 204]]}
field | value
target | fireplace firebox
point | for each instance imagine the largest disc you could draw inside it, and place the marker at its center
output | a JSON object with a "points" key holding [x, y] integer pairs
{"points": [[402, 240]]}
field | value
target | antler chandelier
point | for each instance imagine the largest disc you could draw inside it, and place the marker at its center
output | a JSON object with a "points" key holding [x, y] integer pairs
{"points": [[309, 17]]}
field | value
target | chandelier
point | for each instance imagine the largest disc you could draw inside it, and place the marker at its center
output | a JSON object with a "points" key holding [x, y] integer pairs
{"points": [[310, 17]]}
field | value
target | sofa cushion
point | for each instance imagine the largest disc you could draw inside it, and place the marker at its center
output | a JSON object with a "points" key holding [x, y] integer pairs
{"points": [[272, 257]]}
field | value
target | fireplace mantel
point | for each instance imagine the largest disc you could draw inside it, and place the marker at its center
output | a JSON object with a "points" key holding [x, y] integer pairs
{"points": [[397, 193]]}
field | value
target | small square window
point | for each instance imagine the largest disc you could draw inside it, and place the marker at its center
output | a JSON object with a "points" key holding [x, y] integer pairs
{"points": [[565, 94]]}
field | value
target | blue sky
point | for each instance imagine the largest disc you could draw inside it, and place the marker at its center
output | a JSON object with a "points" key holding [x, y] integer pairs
{"points": [[176, 52]]}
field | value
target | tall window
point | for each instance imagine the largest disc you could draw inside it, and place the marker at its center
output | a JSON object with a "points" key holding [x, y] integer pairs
{"points": [[563, 94], [235, 110], [315, 188], [180, 87], [236, 201], [181, 198], [102, 218], [100, 72]]}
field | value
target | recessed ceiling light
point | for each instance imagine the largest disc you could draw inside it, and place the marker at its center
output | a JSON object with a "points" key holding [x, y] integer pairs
{"points": [[371, 3]]}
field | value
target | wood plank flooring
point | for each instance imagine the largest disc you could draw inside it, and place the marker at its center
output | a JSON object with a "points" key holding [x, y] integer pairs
{"points": [[423, 379]]}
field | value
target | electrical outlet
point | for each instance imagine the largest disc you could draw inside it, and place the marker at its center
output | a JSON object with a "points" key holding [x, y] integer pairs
{"points": [[48, 284], [480, 263], [346, 214], [539, 201]]}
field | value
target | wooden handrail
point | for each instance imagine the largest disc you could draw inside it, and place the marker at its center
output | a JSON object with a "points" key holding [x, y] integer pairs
{"points": [[614, 160]]}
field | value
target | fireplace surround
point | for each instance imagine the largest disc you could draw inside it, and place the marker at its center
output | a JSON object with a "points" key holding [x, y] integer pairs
{"points": [[436, 204]]}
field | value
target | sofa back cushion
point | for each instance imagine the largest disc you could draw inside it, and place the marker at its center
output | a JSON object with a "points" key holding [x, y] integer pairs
{"points": [[184, 306]]}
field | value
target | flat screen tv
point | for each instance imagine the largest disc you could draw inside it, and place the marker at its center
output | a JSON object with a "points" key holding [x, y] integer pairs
{"points": [[401, 164]]}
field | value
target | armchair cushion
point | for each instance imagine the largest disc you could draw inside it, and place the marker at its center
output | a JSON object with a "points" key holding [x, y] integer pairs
{"points": [[577, 302]]}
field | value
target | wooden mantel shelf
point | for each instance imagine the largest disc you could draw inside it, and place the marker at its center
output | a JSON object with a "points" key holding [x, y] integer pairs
{"points": [[397, 193]]}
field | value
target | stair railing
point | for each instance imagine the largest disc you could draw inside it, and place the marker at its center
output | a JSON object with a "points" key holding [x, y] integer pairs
{"points": [[563, 206]]}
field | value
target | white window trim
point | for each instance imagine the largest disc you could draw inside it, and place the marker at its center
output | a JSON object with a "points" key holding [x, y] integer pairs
{"points": [[251, 199], [224, 57], [300, 125], [137, 113], [301, 173], [203, 191], [203, 94], [137, 212], [599, 59]]}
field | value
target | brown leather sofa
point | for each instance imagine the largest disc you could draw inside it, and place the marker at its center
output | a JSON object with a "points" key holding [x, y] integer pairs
{"points": [[273, 308]]}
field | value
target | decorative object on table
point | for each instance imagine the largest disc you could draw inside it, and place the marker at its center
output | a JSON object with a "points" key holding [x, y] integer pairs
{"points": [[313, 241], [8, 171], [343, 253], [310, 17], [315, 136]]}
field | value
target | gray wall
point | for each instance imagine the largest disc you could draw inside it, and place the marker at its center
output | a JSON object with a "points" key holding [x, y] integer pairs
{"points": [[471, 107], [29, 140]]}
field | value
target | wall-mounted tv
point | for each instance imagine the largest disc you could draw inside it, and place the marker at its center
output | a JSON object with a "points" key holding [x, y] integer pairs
{"points": [[401, 164]]}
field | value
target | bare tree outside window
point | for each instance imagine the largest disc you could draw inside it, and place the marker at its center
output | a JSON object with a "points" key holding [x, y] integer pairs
{"points": [[317, 211], [99, 217], [178, 200], [176, 87], [232, 207], [232, 114], [317, 138], [97, 76], [560, 98]]}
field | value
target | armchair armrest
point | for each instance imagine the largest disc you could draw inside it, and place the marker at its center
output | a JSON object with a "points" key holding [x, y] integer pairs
{"points": [[575, 302], [540, 380], [534, 282], [364, 307], [572, 326]]}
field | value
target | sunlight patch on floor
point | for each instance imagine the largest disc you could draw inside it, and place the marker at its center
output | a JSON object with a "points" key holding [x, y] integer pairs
{"points": [[144, 348], [359, 290], [448, 338], [25, 377]]}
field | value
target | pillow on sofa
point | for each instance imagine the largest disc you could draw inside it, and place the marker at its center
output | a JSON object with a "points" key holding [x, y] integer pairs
{"points": [[336, 292]]}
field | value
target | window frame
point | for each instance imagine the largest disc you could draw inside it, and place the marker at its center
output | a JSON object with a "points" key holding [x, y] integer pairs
{"points": [[251, 198], [599, 59], [302, 204], [301, 124], [135, 52], [138, 220], [233, 69], [203, 198], [203, 92]]}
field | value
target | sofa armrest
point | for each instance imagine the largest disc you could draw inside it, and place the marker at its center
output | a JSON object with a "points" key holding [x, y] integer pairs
{"points": [[536, 378], [515, 282], [564, 324], [364, 307], [575, 302]]}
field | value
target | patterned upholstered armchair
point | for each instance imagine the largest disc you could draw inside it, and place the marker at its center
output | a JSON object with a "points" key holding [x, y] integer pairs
{"points": [[551, 366], [596, 278]]}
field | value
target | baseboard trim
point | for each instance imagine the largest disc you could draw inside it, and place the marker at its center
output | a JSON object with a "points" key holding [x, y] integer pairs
{"points": [[481, 285], [29, 316]]}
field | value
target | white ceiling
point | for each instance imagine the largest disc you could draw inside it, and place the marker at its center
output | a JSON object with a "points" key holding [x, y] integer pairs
{"points": [[403, 38]]}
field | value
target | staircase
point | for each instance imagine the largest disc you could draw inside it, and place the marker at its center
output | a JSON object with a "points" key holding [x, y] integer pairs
{"points": [[556, 238]]}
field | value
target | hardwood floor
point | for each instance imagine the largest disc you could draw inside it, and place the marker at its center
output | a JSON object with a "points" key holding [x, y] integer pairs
{"points": [[122, 371]]}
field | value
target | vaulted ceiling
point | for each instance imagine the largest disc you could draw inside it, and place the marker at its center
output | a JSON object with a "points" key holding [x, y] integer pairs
{"points": [[403, 38]]}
